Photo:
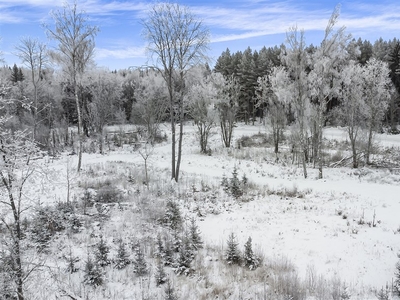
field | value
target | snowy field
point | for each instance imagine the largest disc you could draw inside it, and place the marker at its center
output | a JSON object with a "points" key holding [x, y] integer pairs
{"points": [[346, 225]]}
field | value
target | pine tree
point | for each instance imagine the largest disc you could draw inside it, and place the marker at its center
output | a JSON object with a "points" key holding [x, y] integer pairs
{"points": [[160, 275], [139, 262], [397, 279], [168, 253], [194, 234], [383, 294], [71, 262], [249, 258], [235, 186], [159, 253], [102, 253], [225, 183], [92, 273], [122, 259], [232, 255], [184, 260], [172, 217], [170, 292]]}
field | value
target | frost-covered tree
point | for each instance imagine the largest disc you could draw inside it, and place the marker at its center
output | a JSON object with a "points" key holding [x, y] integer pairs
{"points": [[327, 61], [352, 105], [93, 275], [250, 260], [295, 59], [139, 262], [377, 93], [177, 41], [201, 101], [102, 251], [17, 151], [227, 106], [122, 259], [75, 50], [232, 253]]}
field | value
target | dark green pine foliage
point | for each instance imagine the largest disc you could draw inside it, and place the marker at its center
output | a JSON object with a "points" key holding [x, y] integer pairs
{"points": [[224, 64], [159, 253], [102, 251], [139, 262], [16, 74], [235, 184], [393, 113], [160, 275], [397, 279], [249, 258], [194, 234], [232, 254], [184, 259], [170, 291], [93, 274], [122, 259], [172, 217]]}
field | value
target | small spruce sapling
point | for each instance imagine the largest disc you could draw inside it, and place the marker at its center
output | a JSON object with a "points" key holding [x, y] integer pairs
{"points": [[249, 258], [172, 217], [160, 275], [184, 259], [122, 259], [102, 253], [139, 262], [92, 273], [71, 262], [232, 255], [159, 253], [194, 234], [397, 279], [235, 185], [383, 294], [170, 291]]}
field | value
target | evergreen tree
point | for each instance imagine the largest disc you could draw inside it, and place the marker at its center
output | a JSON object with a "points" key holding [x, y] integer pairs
{"points": [[383, 294], [235, 185], [122, 259], [139, 262], [159, 253], [194, 234], [160, 275], [102, 253], [168, 256], [224, 63], [172, 217], [71, 262], [92, 273], [232, 255], [185, 257], [249, 258], [397, 279], [16, 74], [170, 292]]}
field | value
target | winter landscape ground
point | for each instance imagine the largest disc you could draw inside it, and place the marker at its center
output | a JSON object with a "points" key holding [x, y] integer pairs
{"points": [[331, 238]]}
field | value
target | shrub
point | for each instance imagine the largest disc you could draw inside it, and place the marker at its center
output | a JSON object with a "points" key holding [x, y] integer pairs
{"points": [[108, 194]]}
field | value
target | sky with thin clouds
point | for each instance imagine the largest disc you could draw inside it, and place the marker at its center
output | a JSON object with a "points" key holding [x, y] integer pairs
{"points": [[232, 24]]}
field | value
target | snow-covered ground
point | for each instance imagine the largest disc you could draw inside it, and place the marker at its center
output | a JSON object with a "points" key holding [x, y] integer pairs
{"points": [[322, 229]]}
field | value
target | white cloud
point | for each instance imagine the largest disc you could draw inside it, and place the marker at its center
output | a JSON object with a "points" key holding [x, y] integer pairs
{"points": [[122, 53]]}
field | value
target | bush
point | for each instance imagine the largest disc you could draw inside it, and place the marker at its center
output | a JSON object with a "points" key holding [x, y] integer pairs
{"points": [[108, 194]]}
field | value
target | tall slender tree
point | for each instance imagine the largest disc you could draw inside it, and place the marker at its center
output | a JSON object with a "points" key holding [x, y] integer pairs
{"points": [[75, 37], [33, 54], [177, 41]]}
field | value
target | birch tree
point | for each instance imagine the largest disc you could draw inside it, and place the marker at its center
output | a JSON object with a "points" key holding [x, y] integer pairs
{"points": [[323, 78], [177, 41], [33, 54], [16, 167], [75, 50], [351, 108], [295, 61], [377, 94]]}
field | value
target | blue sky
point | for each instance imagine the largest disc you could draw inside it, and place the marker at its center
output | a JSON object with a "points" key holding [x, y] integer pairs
{"points": [[233, 24]]}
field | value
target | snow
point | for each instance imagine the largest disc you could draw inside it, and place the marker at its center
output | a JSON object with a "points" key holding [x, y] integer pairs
{"points": [[320, 229]]}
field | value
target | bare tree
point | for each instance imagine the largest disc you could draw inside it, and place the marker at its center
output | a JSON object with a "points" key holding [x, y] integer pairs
{"points": [[177, 41], [33, 54], [16, 167], [75, 37]]}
